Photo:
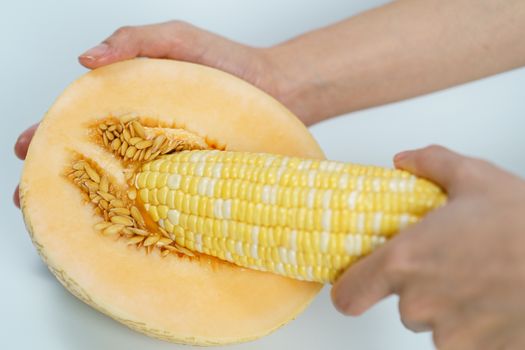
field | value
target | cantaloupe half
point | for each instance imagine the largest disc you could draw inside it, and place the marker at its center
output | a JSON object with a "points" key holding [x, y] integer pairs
{"points": [[176, 298]]}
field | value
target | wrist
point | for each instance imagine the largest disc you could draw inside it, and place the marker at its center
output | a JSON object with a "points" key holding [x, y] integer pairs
{"points": [[296, 85]]}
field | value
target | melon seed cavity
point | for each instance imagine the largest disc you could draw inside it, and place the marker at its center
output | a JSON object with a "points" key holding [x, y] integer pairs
{"points": [[133, 143]]}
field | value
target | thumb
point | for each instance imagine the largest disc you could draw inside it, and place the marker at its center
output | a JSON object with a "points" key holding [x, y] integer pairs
{"points": [[437, 164], [175, 40]]}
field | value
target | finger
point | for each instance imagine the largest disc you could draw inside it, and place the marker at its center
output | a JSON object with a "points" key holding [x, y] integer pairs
{"points": [[435, 163], [16, 197], [174, 40], [363, 285], [23, 141], [420, 305]]}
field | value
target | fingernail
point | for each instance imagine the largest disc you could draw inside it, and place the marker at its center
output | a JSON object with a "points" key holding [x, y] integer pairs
{"points": [[95, 52]]}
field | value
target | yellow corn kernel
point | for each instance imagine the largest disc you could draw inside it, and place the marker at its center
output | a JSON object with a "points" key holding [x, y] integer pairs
{"points": [[302, 218]]}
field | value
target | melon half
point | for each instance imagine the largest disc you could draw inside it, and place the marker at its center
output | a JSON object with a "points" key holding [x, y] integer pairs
{"points": [[197, 300]]}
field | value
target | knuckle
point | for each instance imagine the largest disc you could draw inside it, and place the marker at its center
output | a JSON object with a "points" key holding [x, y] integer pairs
{"points": [[176, 23], [429, 151], [182, 34], [434, 148], [426, 156], [124, 31], [482, 166], [467, 169], [177, 26]]}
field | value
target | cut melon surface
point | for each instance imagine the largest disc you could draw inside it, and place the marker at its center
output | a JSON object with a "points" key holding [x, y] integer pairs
{"points": [[176, 298]]}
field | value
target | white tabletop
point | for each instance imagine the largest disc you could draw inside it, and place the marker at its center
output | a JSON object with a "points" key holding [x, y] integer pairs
{"points": [[39, 42]]}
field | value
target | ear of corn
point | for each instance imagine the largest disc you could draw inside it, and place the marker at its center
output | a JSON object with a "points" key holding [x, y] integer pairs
{"points": [[301, 218]]}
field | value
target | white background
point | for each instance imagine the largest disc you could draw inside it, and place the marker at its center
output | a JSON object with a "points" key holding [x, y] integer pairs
{"points": [[39, 43]]}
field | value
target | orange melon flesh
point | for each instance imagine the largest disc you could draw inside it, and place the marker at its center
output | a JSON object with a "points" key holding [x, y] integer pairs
{"points": [[198, 301]]}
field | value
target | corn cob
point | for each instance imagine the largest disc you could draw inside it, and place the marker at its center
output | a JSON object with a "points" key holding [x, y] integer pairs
{"points": [[302, 218]]}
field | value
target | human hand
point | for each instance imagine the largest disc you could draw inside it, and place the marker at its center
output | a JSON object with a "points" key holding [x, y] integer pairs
{"points": [[21, 147], [460, 272], [182, 41]]}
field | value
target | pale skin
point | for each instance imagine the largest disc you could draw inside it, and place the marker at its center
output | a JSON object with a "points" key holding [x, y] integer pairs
{"points": [[460, 272]]}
